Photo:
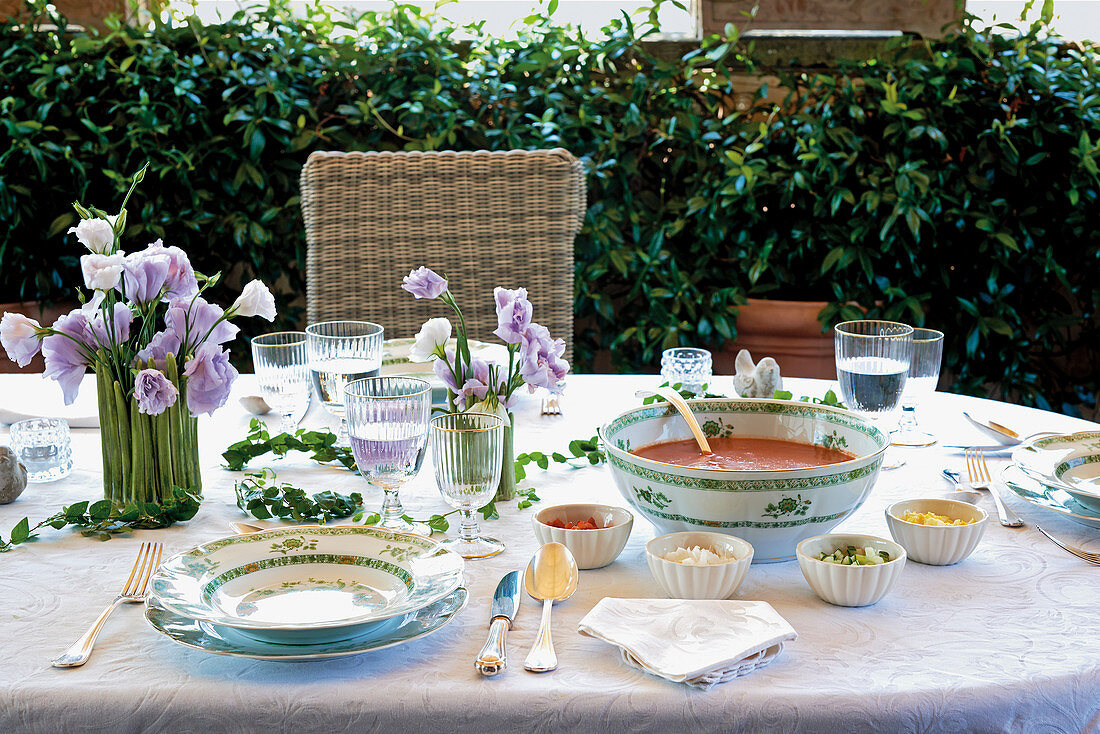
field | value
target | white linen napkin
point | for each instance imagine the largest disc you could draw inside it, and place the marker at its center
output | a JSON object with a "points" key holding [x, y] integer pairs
{"points": [[698, 642]]}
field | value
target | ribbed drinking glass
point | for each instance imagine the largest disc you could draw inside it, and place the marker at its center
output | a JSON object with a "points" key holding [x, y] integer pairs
{"points": [[924, 373], [467, 450], [281, 361], [339, 352], [388, 421], [872, 364]]}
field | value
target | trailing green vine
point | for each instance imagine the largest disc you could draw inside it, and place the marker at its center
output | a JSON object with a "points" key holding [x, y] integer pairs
{"points": [[104, 519], [320, 445]]}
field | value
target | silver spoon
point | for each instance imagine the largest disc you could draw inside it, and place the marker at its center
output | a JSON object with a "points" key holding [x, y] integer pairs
{"points": [[551, 576], [681, 405]]}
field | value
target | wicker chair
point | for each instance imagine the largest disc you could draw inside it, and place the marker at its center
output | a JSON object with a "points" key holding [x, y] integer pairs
{"points": [[481, 218]]}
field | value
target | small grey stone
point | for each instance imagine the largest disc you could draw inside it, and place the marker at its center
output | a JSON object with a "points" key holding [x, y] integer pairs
{"points": [[13, 476]]}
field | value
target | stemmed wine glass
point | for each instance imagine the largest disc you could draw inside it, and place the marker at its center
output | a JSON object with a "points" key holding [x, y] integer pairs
{"points": [[467, 452], [388, 421], [282, 369], [339, 352], [924, 373], [872, 363]]}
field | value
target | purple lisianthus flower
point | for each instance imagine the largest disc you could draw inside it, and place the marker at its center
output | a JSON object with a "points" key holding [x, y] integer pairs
{"points": [[513, 314], [192, 319], [424, 283], [65, 360], [19, 337], [114, 328], [180, 282], [209, 379], [442, 368], [476, 386], [158, 348], [144, 275], [154, 392], [541, 364]]}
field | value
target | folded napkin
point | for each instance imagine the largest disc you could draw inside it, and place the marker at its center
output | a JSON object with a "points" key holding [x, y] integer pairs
{"points": [[698, 642]]}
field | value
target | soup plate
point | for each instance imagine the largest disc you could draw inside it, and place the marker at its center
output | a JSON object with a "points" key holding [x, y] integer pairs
{"points": [[771, 509]]}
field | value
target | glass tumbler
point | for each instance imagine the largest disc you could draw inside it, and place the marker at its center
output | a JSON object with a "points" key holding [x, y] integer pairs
{"points": [[44, 447], [691, 367], [924, 373], [388, 419], [282, 369], [340, 352], [467, 452], [872, 364]]}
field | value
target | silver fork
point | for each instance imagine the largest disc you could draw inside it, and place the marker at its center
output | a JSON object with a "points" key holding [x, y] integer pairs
{"points": [[1088, 556], [550, 405], [134, 591], [981, 479]]}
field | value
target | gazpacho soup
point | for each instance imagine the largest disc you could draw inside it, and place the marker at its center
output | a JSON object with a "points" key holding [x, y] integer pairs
{"points": [[743, 454]]}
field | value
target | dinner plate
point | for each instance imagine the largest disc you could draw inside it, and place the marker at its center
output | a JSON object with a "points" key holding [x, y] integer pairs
{"points": [[1049, 498], [310, 584], [1070, 462], [228, 641]]}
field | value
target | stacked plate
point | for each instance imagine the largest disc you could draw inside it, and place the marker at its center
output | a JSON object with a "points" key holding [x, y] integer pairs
{"points": [[1060, 473], [306, 592]]}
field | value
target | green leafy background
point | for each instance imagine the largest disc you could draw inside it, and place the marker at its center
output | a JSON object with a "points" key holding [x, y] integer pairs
{"points": [[949, 183]]}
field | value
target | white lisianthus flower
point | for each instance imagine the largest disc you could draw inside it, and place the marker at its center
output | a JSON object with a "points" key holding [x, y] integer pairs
{"points": [[431, 338], [102, 272], [91, 308], [19, 337], [255, 300], [96, 234]]}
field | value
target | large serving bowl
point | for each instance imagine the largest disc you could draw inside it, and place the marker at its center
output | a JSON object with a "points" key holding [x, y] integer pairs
{"points": [[772, 510]]}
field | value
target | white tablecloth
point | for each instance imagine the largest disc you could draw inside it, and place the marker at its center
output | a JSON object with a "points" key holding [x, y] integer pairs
{"points": [[1007, 640]]}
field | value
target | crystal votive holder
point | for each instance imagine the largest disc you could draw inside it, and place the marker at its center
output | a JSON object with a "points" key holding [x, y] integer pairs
{"points": [[44, 447], [689, 366]]}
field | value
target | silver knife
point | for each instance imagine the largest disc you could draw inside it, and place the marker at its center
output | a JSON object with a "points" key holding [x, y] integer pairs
{"points": [[493, 657]]}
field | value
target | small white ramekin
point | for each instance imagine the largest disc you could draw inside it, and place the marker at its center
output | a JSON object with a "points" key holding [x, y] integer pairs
{"points": [[680, 581], [590, 548], [849, 586], [937, 545]]}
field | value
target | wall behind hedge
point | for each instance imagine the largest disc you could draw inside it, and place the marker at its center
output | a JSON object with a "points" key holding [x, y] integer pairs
{"points": [[950, 183]]}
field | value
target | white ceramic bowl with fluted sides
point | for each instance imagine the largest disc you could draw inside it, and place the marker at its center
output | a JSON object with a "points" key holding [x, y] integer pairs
{"points": [[772, 510], [849, 586], [716, 581], [590, 548], [937, 545]]}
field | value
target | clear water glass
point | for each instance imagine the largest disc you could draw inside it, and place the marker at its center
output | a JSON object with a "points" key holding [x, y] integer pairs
{"points": [[467, 452], [281, 361], [388, 421], [872, 365], [924, 374], [44, 446], [339, 352], [689, 366]]}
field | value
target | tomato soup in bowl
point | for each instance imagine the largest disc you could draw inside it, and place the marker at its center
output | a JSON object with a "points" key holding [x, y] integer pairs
{"points": [[782, 471]]}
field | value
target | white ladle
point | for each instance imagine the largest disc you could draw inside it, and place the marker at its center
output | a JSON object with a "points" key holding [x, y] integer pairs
{"points": [[681, 405]]}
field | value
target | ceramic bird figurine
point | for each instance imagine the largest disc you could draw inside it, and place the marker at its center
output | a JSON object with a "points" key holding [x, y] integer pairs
{"points": [[13, 476], [756, 380]]}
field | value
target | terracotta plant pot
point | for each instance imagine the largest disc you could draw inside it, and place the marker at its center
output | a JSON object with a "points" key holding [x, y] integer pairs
{"points": [[44, 316], [787, 331]]}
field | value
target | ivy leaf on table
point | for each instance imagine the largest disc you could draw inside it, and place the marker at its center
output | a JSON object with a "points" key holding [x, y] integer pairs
{"points": [[829, 398], [320, 445], [104, 519], [263, 497], [582, 452]]}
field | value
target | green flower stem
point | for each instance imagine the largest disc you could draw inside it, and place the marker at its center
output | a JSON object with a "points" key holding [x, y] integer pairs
{"points": [[123, 458], [137, 476]]}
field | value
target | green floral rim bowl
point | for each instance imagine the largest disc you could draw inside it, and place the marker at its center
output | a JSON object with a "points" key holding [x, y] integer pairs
{"points": [[772, 510], [308, 584]]}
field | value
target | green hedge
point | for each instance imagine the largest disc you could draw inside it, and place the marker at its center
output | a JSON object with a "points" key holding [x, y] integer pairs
{"points": [[951, 183]]}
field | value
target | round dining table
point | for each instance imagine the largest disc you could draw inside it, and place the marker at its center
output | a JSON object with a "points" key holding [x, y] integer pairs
{"points": [[1007, 640]]}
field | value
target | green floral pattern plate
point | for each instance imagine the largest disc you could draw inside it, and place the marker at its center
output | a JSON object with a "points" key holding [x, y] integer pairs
{"points": [[228, 641], [307, 584]]}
